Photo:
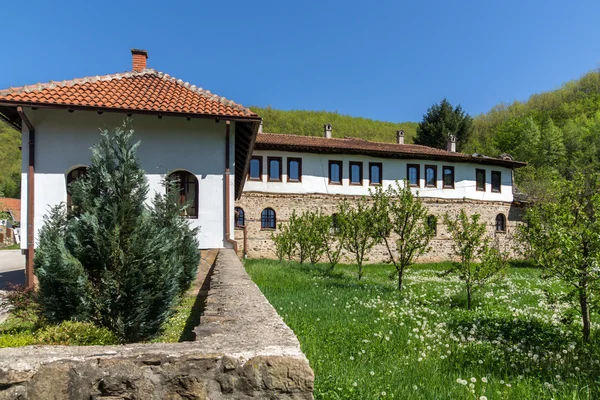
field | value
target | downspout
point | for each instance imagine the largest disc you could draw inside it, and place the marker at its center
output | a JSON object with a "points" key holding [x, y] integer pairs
{"points": [[29, 280], [227, 191]]}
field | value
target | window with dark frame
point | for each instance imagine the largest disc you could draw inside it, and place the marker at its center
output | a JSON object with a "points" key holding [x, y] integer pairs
{"points": [[255, 170], [430, 176], [432, 224], [412, 174], [480, 179], [240, 217], [375, 173], [448, 177], [268, 219], [294, 169], [496, 181], [356, 173], [187, 185], [274, 169], [335, 172], [73, 176], [500, 223]]}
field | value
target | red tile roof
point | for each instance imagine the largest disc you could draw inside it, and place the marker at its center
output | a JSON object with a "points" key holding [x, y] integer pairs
{"points": [[316, 144], [13, 206], [146, 91]]}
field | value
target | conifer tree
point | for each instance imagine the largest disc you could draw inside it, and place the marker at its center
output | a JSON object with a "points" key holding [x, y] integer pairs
{"points": [[124, 263]]}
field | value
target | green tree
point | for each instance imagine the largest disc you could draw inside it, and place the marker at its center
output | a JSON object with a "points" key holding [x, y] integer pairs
{"points": [[111, 259], [480, 263], [358, 228], [564, 239], [442, 120], [331, 237], [10, 162], [397, 211]]}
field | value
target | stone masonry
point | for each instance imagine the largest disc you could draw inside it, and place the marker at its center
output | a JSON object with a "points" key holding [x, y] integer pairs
{"points": [[243, 351], [260, 243]]}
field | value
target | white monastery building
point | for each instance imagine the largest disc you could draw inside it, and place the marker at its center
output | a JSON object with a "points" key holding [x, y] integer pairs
{"points": [[214, 148]]}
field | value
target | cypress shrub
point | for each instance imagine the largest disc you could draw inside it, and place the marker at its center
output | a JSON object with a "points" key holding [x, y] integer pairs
{"points": [[111, 259]]}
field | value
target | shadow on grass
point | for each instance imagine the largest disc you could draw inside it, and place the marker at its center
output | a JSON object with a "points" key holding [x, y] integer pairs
{"points": [[188, 334], [528, 348]]}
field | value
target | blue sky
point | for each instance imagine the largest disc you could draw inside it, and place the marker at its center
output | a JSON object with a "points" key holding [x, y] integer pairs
{"points": [[387, 60]]}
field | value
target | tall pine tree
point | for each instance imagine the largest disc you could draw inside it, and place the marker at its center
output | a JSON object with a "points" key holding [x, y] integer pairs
{"points": [[442, 120]]}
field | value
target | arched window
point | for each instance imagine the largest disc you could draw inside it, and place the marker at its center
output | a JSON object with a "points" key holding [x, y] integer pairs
{"points": [[72, 176], [188, 191], [432, 224], [240, 219], [268, 219], [500, 223]]}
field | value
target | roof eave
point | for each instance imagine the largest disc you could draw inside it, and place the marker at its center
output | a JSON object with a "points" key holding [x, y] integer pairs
{"points": [[13, 103], [387, 154]]}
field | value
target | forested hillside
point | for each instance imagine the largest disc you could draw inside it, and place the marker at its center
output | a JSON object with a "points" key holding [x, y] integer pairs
{"points": [[310, 123], [10, 162], [557, 132]]}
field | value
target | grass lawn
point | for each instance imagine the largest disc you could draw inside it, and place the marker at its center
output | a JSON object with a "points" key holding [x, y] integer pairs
{"points": [[15, 246], [366, 341]]}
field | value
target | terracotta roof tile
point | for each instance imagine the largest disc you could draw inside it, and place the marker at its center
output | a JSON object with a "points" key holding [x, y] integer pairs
{"points": [[282, 142], [136, 91], [12, 206]]}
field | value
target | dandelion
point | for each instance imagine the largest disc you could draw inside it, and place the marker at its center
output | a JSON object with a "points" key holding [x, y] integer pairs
{"points": [[482, 398], [473, 380], [383, 393], [372, 373], [480, 361], [354, 384], [351, 358], [484, 379]]}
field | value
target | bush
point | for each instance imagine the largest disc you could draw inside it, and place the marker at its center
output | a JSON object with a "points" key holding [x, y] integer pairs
{"points": [[75, 334], [110, 259], [16, 339], [21, 302]]}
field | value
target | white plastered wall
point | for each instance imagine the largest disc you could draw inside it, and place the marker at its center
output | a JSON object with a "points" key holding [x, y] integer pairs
{"points": [[315, 177], [63, 142]]}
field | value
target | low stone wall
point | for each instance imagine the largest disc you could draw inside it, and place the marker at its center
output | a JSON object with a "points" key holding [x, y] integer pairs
{"points": [[243, 350], [261, 245]]}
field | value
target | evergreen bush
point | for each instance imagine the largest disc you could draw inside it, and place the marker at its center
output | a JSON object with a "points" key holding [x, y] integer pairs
{"points": [[111, 259]]}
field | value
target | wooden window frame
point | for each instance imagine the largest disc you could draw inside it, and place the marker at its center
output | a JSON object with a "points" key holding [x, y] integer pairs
{"points": [[499, 173], [341, 165], [360, 164], [235, 224], [269, 159], [477, 171], [380, 165], [262, 228], [289, 161], [260, 169], [196, 215], [434, 167], [408, 167], [450, 167], [503, 223]]}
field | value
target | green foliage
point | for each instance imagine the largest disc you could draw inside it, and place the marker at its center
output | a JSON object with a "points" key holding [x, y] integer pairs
{"points": [[10, 162], [75, 333], [557, 133], [442, 120], [111, 259], [396, 210], [284, 241], [358, 227], [21, 302], [479, 263], [332, 238], [564, 239], [310, 123]]}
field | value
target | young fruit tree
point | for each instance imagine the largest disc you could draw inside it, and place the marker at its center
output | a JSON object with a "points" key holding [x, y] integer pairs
{"points": [[397, 211], [331, 238], [357, 226], [564, 239], [480, 262], [111, 259]]}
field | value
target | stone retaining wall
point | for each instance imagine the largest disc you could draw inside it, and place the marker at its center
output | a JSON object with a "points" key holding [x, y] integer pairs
{"points": [[260, 244], [243, 351]]}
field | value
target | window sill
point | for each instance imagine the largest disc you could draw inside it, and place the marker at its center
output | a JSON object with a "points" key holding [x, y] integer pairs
{"points": [[189, 217], [480, 190], [336, 183], [448, 187], [294, 181], [501, 232], [355, 184], [496, 191], [431, 186], [374, 184], [268, 229], [255, 179], [273, 180]]}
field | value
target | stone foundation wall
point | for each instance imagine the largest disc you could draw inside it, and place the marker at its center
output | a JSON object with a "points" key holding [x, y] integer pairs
{"points": [[243, 351], [260, 243]]}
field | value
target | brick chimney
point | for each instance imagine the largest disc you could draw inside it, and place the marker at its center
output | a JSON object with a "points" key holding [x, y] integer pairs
{"points": [[139, 58], [451, 144], [400, 137], [327, 130]]}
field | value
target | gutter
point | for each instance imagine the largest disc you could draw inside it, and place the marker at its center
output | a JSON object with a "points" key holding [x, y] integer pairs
{"points": [[29, 282], [227, 191]]}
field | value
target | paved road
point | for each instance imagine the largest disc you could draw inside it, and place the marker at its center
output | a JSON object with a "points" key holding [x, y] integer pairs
{"points": [[12, 268]]}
